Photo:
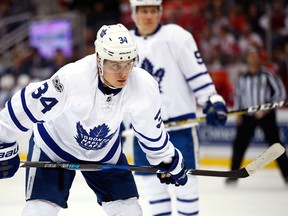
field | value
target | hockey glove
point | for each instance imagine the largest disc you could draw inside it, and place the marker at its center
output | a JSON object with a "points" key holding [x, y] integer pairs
{"points": [[174, 172], [9, 159], [216, 111]]}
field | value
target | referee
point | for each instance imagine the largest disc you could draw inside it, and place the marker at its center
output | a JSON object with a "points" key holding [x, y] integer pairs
{"points": [[257, 86]]}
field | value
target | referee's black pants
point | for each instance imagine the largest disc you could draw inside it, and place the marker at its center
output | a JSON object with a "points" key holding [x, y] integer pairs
{"points": [[245, 131]]}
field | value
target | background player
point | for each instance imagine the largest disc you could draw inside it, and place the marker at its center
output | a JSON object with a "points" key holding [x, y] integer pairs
{"points": [[170, 54]]}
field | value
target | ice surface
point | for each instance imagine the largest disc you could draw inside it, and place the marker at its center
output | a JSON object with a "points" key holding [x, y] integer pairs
{"points": [[263, 193]]}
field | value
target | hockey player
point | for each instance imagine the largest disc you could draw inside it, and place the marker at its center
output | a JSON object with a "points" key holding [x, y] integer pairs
{"points": [[171, 55], [76, 115]]}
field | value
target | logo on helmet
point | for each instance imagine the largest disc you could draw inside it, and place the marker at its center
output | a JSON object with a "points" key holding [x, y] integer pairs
{"points": [[123, 53], [103, 33]]}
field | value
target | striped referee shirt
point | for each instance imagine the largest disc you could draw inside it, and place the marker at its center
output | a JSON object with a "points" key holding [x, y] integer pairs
{"points": [[255, 89]]}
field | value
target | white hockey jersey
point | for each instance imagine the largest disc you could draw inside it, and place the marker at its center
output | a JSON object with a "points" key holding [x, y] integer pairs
{"points": [[73, 119], [171, 55]]}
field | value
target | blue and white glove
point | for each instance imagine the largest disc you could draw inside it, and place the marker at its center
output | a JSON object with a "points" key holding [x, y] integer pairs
{"points": [[9, 159], [174, 172], [216, 111]]}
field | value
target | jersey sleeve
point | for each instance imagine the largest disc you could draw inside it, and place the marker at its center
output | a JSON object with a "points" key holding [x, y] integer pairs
{"points": [[148, 126], [33, 104], [193, 66]]}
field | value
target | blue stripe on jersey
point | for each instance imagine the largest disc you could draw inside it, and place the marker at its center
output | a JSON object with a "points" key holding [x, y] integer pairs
{"points": [[14, 118], [202, 87], [27, 111], [147, 138], [182, 117], [158, 148], [53, 145], [197, 75], [112, 151]]}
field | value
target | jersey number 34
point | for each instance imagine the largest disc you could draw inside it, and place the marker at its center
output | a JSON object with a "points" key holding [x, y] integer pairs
{"points": [[47, 102]]}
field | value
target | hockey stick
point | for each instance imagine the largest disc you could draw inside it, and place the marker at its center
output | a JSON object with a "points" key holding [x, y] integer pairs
{"points": [[264, 159], [252, 109]]}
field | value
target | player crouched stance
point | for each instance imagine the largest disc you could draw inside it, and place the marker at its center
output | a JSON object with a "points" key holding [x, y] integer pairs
{"points": [[76, 115]]}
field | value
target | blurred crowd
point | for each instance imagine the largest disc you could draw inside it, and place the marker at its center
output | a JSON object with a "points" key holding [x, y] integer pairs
{"points": [[223, 30]]}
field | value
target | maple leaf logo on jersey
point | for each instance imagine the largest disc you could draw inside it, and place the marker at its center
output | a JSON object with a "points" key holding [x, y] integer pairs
{"points": [[158, 74], [96, 139]]}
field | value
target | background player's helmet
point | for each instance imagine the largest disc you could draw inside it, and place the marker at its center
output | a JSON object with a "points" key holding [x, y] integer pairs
{"points": [[115, 43], [135, 3]]}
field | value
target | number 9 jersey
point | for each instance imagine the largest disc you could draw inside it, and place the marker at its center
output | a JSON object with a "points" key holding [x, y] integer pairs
{"points": [[171, 56]]}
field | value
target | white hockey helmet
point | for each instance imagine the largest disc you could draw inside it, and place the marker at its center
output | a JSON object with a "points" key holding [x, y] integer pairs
{"points": [[135, 3], [114, 42]]}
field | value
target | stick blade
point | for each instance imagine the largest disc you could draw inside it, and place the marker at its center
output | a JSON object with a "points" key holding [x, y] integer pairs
{"points": [[275, 151], [241, 173]]}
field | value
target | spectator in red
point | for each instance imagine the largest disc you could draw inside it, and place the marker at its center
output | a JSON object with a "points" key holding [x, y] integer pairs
{"points": [[227, 44], [237, 18], [248, 38], [283, 67]]}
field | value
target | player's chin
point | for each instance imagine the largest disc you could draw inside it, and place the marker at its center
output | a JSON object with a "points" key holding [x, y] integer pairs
{"points": [[121, 83]]}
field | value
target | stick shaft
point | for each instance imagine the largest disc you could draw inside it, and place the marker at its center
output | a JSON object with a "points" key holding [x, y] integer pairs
{"points": [[252, 109], [265, 158]]}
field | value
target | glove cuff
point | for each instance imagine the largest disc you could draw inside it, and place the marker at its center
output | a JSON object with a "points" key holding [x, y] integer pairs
{"points": [[177, 164], [9, 152], [216, 98]]}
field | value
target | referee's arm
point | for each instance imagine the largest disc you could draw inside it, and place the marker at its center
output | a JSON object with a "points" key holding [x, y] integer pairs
{"points": [[278, 88]]}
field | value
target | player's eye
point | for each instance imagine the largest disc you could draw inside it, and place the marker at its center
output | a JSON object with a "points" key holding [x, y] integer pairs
{"points": [[116, 66]]}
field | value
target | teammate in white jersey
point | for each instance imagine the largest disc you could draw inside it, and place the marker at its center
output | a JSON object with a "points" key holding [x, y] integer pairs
{"points": [[76, 115], [170, 54]]}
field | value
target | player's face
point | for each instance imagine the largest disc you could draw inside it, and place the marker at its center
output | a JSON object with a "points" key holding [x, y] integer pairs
{"points": [[147, 19], [253, 59], [116, 73]]}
